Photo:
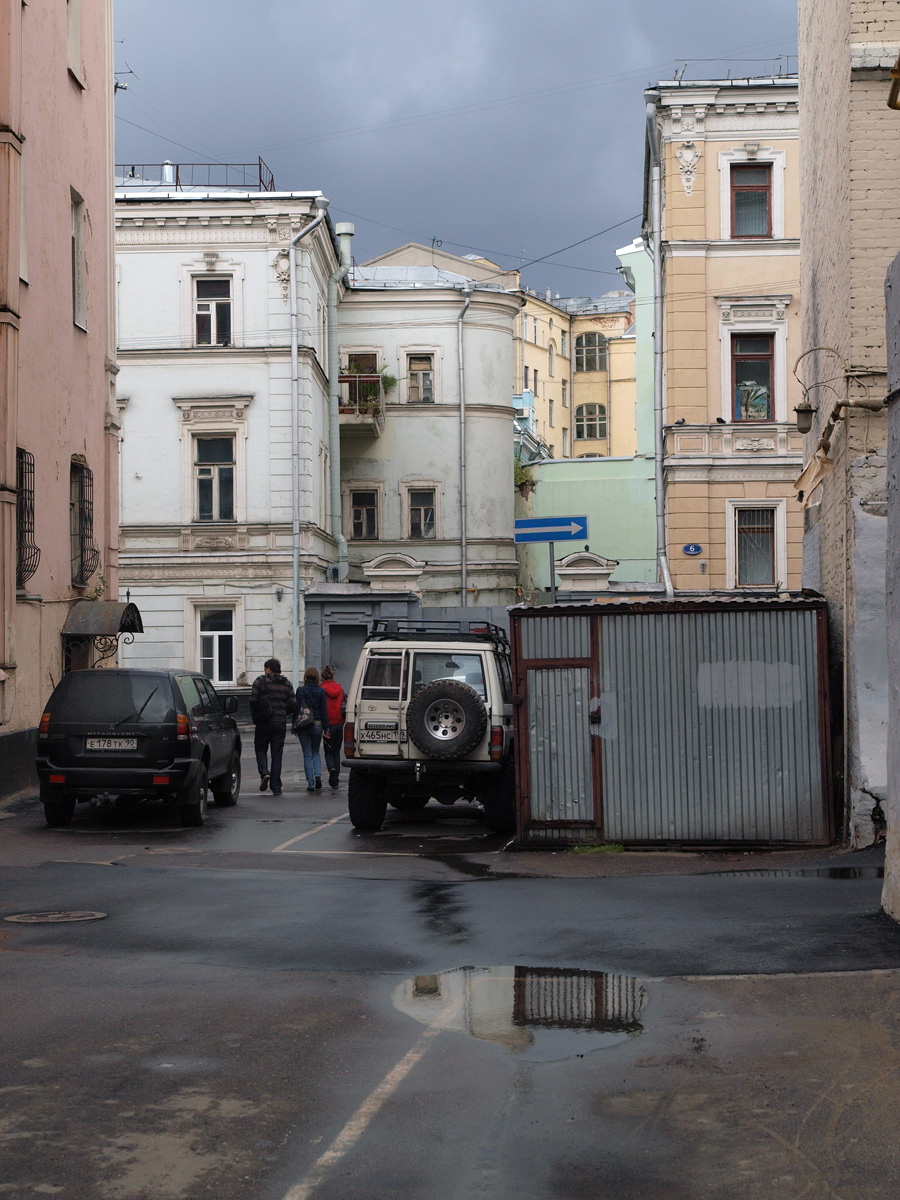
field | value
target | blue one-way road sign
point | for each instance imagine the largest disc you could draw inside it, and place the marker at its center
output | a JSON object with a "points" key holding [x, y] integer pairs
{"points": [[551, 529]]}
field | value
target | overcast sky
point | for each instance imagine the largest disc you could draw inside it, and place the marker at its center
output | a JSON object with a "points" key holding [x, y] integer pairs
{"points": [[508, 127]]}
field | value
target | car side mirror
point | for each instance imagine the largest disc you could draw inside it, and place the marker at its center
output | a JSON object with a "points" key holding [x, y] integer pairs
{"points": [[230, 704]]}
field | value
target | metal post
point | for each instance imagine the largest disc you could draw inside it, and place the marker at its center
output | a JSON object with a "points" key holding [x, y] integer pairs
{"points": [[552, 546]]}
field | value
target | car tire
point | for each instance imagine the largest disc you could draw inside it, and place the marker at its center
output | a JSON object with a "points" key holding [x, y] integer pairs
{"points": [[408, 803], [59, 809], [365, 800], [499, 800], [227, 787], [446, 719], [193, 801]]}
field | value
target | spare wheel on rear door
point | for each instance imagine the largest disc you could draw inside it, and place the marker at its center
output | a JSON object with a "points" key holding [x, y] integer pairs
{"points": [[446, 719]]}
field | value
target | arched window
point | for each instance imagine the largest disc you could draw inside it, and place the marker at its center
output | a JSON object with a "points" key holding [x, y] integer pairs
{"points": [[590, 352], [590, 419], [551, 360]]}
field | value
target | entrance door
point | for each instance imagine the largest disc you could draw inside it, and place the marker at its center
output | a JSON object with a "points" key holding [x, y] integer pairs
{"points": [[345, 646]]}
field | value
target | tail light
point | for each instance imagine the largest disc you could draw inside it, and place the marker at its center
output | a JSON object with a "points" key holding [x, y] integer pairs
{"points": [[182, 727], [44, 727], [57, 779], [496, 743], [160, 779], [349, 740]]}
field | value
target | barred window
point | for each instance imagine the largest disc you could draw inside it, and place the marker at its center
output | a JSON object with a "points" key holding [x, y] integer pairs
{"points": [[27, 553], [85, 555]]}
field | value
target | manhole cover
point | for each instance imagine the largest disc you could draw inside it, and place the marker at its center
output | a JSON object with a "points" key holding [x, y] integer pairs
{"points": [[54, 918]]}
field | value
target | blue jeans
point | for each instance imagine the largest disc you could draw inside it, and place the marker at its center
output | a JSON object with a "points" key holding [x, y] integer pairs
{"points": [[269, 738], [310, 740]]}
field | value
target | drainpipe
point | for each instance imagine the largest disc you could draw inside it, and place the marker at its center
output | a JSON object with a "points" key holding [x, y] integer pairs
{"points": [[321, 213], [463, 544], [345, 232], [656, 251]]}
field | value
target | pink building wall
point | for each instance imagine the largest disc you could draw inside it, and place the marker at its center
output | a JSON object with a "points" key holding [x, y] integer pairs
{"points": [[57, 378]]}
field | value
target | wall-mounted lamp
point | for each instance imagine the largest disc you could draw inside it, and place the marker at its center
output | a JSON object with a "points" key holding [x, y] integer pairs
{"points": [[805, 413], [279, 592]]}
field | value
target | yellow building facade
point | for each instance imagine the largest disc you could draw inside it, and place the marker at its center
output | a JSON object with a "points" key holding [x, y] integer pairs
{"points": [[604, 385], [728, 152], [544, 371]]}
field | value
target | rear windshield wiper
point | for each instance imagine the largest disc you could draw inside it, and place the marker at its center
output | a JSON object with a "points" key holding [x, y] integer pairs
{"points": [[137, 716]]}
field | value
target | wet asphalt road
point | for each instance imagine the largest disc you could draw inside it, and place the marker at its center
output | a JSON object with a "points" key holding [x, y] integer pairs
{"points": [[274, 1008]]}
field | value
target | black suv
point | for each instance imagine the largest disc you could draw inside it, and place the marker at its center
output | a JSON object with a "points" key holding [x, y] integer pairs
{"points": [[114, 736]]}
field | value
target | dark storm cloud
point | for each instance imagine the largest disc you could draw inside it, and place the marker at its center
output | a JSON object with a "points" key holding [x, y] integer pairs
{"points": [[506, 126]]}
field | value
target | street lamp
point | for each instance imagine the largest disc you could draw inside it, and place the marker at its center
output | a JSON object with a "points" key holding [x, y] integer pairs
{"points": [[805, 412]]}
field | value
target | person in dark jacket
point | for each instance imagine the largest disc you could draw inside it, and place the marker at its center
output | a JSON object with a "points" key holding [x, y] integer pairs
{"points": [[272, 701], [313, 710], [333, 743]]}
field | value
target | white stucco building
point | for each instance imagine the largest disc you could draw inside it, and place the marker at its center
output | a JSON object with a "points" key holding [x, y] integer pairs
{"points": [[428, 503], [205, 392]]}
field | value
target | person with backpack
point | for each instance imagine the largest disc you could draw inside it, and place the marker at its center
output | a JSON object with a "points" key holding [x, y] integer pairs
{"points": [[272, 701], [310, 720], [334, 737]]}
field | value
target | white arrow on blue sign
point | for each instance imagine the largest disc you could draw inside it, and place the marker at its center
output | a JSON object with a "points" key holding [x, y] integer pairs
{"points": [[551, 529]]}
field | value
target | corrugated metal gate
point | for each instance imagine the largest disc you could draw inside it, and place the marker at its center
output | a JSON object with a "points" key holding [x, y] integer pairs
{"points": [[673, 721]]}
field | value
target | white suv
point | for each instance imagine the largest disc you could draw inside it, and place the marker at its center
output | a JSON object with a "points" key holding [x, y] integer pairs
{"points": [[430, 715]]}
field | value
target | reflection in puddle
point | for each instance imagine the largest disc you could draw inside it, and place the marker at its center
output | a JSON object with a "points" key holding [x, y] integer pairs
{"points": [[539, 1013], [812, 873]]}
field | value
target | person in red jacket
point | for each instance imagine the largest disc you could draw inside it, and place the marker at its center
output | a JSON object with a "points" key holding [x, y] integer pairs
{"points": [[334, 739]]}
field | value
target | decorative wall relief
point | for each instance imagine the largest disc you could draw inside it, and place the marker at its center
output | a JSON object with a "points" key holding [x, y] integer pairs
{"points": [[283, 273], [688, 156]]}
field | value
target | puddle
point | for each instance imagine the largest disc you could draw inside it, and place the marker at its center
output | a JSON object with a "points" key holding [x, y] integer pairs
{"points": [[540, 1014], [812, 873]]}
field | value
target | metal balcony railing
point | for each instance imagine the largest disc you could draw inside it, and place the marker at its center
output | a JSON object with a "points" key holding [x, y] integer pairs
{"points": [[211, 176]]}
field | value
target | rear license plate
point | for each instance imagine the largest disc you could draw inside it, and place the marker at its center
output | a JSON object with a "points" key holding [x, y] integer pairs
{"points": [[111, 743], [378, 735]]}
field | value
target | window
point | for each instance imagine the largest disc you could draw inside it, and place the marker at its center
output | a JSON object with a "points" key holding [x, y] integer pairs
{"points": [[537, 341], [755, 547], [565, 393], [364, 515], [466, 668], [214, 475], [363, 389], [590, 352], [190, 691], [565, 443], [552, 415], [382, 678], [217, 644], [420, 379], [564, 344], [751, 200], [85, 555], [79, 267], [551, 360], [590, 420], [421, 513], [525, 380], [27, 553], [535, 384], [73, 23], [751, 376], [212, 311]]}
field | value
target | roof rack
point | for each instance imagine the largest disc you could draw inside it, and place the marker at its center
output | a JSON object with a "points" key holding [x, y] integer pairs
{"points": [[440, 631]]}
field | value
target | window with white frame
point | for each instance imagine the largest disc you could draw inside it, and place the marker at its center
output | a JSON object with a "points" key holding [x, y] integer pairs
{"points": [[551, 360], [535, 385], [590, 421], [214, 478], [212, 311], [565, 443], [552, 415], [525, 379], [216, 644], [420, 378], [564, 344], [590, 352], [565, 393], [751, 192], [421, 512], [752, 356], [757, 552]]}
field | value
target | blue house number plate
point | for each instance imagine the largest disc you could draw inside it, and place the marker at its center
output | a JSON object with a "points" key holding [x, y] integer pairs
{"points": [[692, 548]]}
